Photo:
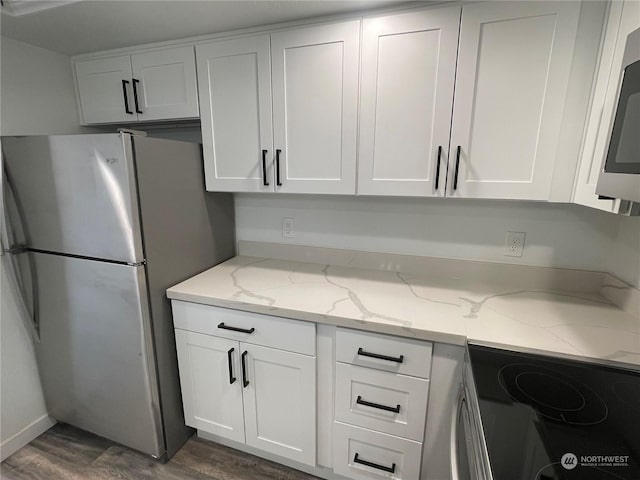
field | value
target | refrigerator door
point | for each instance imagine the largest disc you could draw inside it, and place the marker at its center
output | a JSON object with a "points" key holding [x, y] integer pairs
{"points": [[17, 261], [76, 194], [95, 355]]}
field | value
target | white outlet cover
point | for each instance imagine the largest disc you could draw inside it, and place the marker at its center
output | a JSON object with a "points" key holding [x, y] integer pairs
{"points": [[288, 230], [514, 244]]}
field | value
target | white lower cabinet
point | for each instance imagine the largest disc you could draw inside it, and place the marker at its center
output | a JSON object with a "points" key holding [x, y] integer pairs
{"points": [[280, 402], [384, 401], [211, 393], [252, 394], [253, 379], [380, 404], [364, 454]]}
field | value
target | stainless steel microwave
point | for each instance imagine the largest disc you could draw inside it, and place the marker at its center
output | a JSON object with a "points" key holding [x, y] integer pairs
{"points": [[620, 174]]}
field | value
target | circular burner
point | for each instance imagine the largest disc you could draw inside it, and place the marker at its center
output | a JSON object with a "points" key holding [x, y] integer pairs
{"points": [[552, 394], [550, 391]]}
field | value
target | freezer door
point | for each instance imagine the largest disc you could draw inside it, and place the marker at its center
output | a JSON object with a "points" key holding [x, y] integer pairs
{"points": [[76, 194], [95, 355]]}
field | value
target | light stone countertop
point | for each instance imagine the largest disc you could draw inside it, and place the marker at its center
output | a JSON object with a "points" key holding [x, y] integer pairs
{"points": [[437, 308]]}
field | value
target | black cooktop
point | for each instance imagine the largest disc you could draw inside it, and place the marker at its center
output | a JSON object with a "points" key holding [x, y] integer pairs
{"points": [[546, 418]]}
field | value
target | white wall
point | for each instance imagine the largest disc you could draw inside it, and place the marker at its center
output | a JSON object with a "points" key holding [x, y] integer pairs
{"points": [[560, 235], [24, 415], [36, 97], [37, 91], [623, 260]]}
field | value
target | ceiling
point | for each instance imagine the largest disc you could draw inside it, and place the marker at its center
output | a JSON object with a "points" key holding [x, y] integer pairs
{"points": [[94, 25]]}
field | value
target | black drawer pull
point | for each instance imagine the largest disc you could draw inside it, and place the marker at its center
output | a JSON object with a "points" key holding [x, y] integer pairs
{"points": [[264, 168], [278, 182], [235, 329], [438, 167], [391, 469], [126, 98], [362, 353], [245, 382], [455, 175], [395, 409], [135, 94], [232, 379]]}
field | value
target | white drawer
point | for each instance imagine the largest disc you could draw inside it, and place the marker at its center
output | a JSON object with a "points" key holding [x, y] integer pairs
{"points": [[364, 396], [291, 335], [402, 355], [384, 451]]}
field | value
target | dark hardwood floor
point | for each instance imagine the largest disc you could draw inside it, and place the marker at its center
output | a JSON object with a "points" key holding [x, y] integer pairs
{"points": [[67, 453]]}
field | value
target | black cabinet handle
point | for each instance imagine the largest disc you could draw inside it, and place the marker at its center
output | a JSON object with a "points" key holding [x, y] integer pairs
{"points": [[455, 175], [264, 168], [235, 329], [126, 98], [278, 152], [438, 167], [362, 353], [395, 409], [232, 379], [391, 469], [245, 382], [135, 95]]}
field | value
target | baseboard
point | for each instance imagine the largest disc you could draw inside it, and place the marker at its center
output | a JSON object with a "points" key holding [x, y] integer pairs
{"points": [[30, 432]]}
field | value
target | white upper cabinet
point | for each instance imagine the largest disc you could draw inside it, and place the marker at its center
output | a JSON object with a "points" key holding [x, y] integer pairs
{"points": [[623, 18], [476, 100], [166, 85], [406, 97], [146, 86], [235, 99], [306, 142], [315, 108], [514, 62], [104, 90]]}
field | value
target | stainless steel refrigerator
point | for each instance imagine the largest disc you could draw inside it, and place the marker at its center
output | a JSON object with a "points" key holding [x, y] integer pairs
{"points": [[96, 228]]}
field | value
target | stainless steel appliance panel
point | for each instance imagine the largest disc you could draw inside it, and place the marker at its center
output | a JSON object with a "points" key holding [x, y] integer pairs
{"points": [[76, 194], [186, 230], [95, 359], [620, 175]]}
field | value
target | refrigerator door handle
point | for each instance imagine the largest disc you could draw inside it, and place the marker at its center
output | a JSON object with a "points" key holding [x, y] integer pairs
{"points": [[30, 316]]}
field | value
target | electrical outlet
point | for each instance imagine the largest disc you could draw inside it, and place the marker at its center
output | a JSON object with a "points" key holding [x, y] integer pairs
{"points": [[287, 228], [514, 244]]}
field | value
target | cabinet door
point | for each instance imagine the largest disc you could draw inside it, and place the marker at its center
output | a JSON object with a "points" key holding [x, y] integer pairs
{"points": [[315, 102], [212, 399], [406, 97], [166, 85], [280, 402], [104, 98], [513, 68], [234, 81]]}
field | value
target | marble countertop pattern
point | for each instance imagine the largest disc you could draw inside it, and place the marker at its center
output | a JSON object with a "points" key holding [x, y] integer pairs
{"points": [[451, 310]]}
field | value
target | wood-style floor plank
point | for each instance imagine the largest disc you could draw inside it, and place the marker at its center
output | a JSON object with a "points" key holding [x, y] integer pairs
{"points": [[67, 453], [225, 463], [72, 444], [123, 463], [43, 466]]}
